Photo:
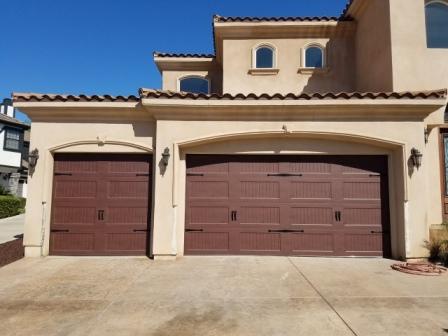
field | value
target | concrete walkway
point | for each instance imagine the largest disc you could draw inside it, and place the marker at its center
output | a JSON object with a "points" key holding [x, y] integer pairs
{"points": [[11, 227], [203, 296]]}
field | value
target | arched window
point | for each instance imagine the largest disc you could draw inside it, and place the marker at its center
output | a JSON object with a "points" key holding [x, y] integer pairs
{"points": [[314, 57], [264, 57], [194, 84], [437, 24]]}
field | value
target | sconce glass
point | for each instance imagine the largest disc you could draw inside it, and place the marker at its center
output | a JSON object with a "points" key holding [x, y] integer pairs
{"points": [[416, 157], [166, 156]]}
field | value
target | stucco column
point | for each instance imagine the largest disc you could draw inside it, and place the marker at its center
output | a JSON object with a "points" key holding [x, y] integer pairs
{"points": [[164, 238]]}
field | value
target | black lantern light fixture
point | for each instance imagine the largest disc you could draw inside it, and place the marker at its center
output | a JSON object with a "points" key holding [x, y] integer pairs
{"points": [[166, 156], [416, 157], [33, 156]]}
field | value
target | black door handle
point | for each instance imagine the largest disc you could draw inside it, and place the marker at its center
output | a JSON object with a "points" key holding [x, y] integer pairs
{"points": [[194, 230], [101, 215], [233, 215], [339, 216]]}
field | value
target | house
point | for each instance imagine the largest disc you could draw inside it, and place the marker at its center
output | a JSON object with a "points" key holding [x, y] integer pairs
{"points": [[310, 136], [14, 144]]}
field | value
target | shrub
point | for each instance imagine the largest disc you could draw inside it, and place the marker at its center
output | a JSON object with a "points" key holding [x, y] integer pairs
{"points": [[22, 203], [9, 206], [4, 191], [434, 246]]}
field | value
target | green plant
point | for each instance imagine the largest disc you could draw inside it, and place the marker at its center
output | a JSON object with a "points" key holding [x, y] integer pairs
{"points": [[434, 246], [9, 206], [4, 191], [443, 254], [22, 204]]}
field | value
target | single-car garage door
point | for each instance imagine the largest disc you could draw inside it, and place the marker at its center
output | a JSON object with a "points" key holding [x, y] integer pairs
{"points": [[287, 205], [101, 204]]}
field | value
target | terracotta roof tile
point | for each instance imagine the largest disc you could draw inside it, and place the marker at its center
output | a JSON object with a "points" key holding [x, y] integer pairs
{"points": [[218, 18], [37, 97], [182, 55], [437, 94]]}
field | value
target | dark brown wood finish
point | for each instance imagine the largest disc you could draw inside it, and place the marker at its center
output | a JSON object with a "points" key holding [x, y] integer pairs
{"points": [[101, 204], [287, 205]]}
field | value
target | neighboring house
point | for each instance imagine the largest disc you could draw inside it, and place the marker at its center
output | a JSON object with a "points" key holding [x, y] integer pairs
{"points": [[274, 145], [14, 144]]}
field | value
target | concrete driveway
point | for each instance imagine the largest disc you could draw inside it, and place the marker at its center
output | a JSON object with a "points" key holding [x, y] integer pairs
{"points": [[11, 227], [219, 296]]}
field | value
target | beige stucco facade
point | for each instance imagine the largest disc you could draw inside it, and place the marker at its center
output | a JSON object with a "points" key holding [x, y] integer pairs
{"points": [[359, 57]]}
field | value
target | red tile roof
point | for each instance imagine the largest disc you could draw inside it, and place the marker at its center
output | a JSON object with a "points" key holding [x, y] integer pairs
{"points": [[437, 94], [218, 18], [182, 55], [37, 97]]}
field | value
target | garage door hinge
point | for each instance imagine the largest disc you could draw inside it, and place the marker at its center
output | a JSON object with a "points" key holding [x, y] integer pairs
{"points": [[63, 174]]}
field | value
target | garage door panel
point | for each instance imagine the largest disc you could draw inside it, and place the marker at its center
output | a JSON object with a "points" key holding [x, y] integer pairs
{"points": [[309, 166], [259, 190], [125, 242], [259, 215], [127, 215], [311, 243], [363, 216], [362, 190], [80, 215], [208, 190], [307, 190], [68, 243], [260, 242], [207, 242], [309, 216], [363, 244], [76, 189]]}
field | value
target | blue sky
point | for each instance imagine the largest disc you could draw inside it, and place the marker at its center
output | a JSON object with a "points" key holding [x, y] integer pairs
{"points": [[105, 46]]}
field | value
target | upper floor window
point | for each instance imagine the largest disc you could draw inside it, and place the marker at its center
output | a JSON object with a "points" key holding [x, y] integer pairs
{"points": [[314, 57], [437, 24], [264, 57], [194, 84], [12, 139]]}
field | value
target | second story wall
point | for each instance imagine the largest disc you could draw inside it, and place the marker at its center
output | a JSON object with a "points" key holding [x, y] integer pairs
{"points": [[337, 76], [415, 66], [9, 158], [373, 46]]}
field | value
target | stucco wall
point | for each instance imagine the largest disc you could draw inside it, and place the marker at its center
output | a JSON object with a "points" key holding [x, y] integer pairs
{"points": [[373, 47], [415, 67], [237, 61], [125, 136]]}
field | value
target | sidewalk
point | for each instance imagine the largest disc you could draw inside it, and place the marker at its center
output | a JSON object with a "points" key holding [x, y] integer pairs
{"points": [[11, 227]]}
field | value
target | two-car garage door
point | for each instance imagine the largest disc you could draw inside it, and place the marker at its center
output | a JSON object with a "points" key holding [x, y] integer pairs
{"points": [[287, 205]]}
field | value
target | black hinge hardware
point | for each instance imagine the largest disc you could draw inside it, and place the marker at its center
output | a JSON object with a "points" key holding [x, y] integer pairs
{"points": [[284, 174], [63, 174], [287, 231], [194, 230], [195, 174], [60, 230], [142, 230], [374, 175]]}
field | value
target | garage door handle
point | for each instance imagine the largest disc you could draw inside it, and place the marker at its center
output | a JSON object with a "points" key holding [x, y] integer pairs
{"points": [[285, 174], [287, 231], [61, 230], [100, 214], [194, 230]]}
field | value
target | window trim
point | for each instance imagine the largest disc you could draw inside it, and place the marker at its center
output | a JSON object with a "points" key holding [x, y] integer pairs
{"points": [[204, 77], [427, 3], [303, 68], [5, 148], [264, 71]]}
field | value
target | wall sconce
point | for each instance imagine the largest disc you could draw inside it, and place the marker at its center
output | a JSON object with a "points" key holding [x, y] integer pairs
{"points": [[416, 157], [426, 135], [32, 160], [166, 156]]}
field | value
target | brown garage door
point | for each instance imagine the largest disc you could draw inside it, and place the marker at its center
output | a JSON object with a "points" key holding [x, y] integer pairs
{"points": [[100, 204], [287, 205]]}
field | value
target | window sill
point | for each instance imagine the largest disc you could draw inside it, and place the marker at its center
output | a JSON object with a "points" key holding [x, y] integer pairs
{"points": [[310, 71], [263, 72]]}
